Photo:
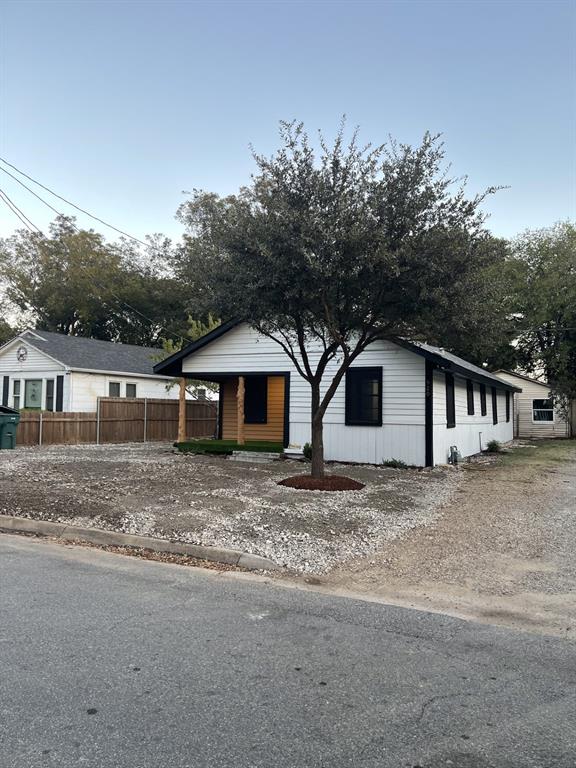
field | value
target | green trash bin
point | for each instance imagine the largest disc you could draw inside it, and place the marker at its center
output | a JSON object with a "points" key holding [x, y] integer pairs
{"points": [[9, 418]]}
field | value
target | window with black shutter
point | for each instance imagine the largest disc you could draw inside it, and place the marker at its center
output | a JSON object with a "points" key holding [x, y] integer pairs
{"points": [[470, 397], [50, 395], [256, 400], [494, 406], [450, 401], [483, 409], [364, 397], [507, 405]]}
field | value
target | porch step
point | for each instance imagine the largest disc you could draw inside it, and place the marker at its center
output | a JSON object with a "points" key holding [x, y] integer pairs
{"points": [[254, 457]]}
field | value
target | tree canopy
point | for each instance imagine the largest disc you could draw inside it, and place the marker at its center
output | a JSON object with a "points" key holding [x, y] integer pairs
{"points": [[339, 247], [543, 265], [73, 282]]}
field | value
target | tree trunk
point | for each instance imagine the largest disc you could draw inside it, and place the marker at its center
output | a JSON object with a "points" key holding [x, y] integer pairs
{"points": [[182, 412], [240, 411], [317, 469]]}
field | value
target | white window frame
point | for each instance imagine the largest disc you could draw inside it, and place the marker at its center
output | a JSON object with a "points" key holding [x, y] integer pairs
{"points": [[119, 388], [128, 384], [548, 410], [16, 395]]}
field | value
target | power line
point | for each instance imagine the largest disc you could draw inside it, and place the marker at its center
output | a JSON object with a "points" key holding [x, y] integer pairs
{"points": [[16, 211], [68, 202], [102, 288]]}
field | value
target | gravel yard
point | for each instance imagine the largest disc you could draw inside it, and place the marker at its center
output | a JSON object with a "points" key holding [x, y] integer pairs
{"points": [[502, 551], [149, 490]]}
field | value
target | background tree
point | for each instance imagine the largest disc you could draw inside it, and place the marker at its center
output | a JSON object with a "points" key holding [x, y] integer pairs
{"points": [[543, 267], [73, 282], [333, 250]]}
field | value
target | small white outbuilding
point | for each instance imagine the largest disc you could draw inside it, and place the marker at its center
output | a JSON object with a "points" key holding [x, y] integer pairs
{"points": [[399, 400], [536, 414], [48, 371]]}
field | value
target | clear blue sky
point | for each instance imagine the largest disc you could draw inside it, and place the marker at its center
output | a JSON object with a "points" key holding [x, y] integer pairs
{"points": [[121, 106]]}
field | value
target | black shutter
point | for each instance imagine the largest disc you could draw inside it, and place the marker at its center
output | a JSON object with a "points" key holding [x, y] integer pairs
{"points": [[470, 396], [50, 394], [494, 406], [256, 400], [5, 389], [483, 410], [507, 405], [59, 392], [450, 402]]}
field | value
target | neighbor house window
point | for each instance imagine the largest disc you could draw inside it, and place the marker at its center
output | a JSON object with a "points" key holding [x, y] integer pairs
{"points": [[114, 389], [131, 390], [364, 397], [494, 406], [33, 393], [16, 393], [470, 397], [256, 400], [543, 410], [507, 405], [50, 395], [483, 409], [450, 401]]}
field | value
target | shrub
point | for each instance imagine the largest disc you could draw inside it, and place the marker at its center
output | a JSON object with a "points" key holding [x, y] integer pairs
{"points": [[493, 447], [395, 464], [307, 451]]}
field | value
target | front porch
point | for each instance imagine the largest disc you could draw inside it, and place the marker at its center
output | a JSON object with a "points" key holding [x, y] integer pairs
{"points": [[254, 407]]}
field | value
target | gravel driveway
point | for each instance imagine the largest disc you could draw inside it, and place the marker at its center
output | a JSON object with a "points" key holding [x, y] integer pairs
{"points": [[147, 489], [503, 550]]}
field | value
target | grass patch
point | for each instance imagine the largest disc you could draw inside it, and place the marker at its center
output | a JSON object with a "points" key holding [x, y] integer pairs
{"points": [[541, 453], [226, 447]]}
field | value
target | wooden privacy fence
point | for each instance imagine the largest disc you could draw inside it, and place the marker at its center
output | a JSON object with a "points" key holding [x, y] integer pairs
{"points": [[117, 420]]}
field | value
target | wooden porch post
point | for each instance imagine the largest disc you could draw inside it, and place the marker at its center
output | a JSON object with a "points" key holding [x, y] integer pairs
{"points": [[240, 410], [182, 412]]}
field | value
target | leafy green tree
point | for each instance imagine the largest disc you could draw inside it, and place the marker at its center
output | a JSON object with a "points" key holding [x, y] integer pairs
{"points": [[196, 329], [334, 249], [544, 267], [6, 331], [73, 282]]}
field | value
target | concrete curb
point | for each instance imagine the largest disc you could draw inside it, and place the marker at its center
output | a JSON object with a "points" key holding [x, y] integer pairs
{"points": [[112, 538]]}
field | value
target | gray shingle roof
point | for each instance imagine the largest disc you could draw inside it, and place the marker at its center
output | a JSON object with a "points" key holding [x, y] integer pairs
{"points": [[95, 355], [458, 364]]}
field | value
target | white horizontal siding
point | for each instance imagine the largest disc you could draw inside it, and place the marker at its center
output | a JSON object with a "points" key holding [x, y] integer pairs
{"points": [[472, 433], [86, 388], [243, 350], [525, 425], [35, 361]]}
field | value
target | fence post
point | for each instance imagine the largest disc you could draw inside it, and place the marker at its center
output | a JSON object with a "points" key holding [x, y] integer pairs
{"points": [[145, 416], [98, 421], [40, 425]]}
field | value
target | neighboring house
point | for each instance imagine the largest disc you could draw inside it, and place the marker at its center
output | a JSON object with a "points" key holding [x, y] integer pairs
{"points": [[536, 415], [399, 400], [54, 372]]}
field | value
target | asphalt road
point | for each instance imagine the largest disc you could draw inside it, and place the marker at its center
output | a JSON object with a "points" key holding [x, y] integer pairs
{"points": [[117, 662]]}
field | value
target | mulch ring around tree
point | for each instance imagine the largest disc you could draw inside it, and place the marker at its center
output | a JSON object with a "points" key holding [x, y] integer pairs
{"points": [[326, 483]]}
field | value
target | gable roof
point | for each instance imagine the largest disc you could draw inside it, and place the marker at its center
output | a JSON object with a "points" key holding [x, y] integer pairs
{"points": [[79, 353], [172, 366], [523, 377], [449, 362]]}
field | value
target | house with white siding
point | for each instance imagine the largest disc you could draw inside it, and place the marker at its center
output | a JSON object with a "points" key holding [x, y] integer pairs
{"points": [[399, 400], [49, 371], [536, 414]]}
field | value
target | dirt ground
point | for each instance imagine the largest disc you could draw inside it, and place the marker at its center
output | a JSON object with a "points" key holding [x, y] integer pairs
{"points": [[503, 550], [150, 490], [493, 540]]}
